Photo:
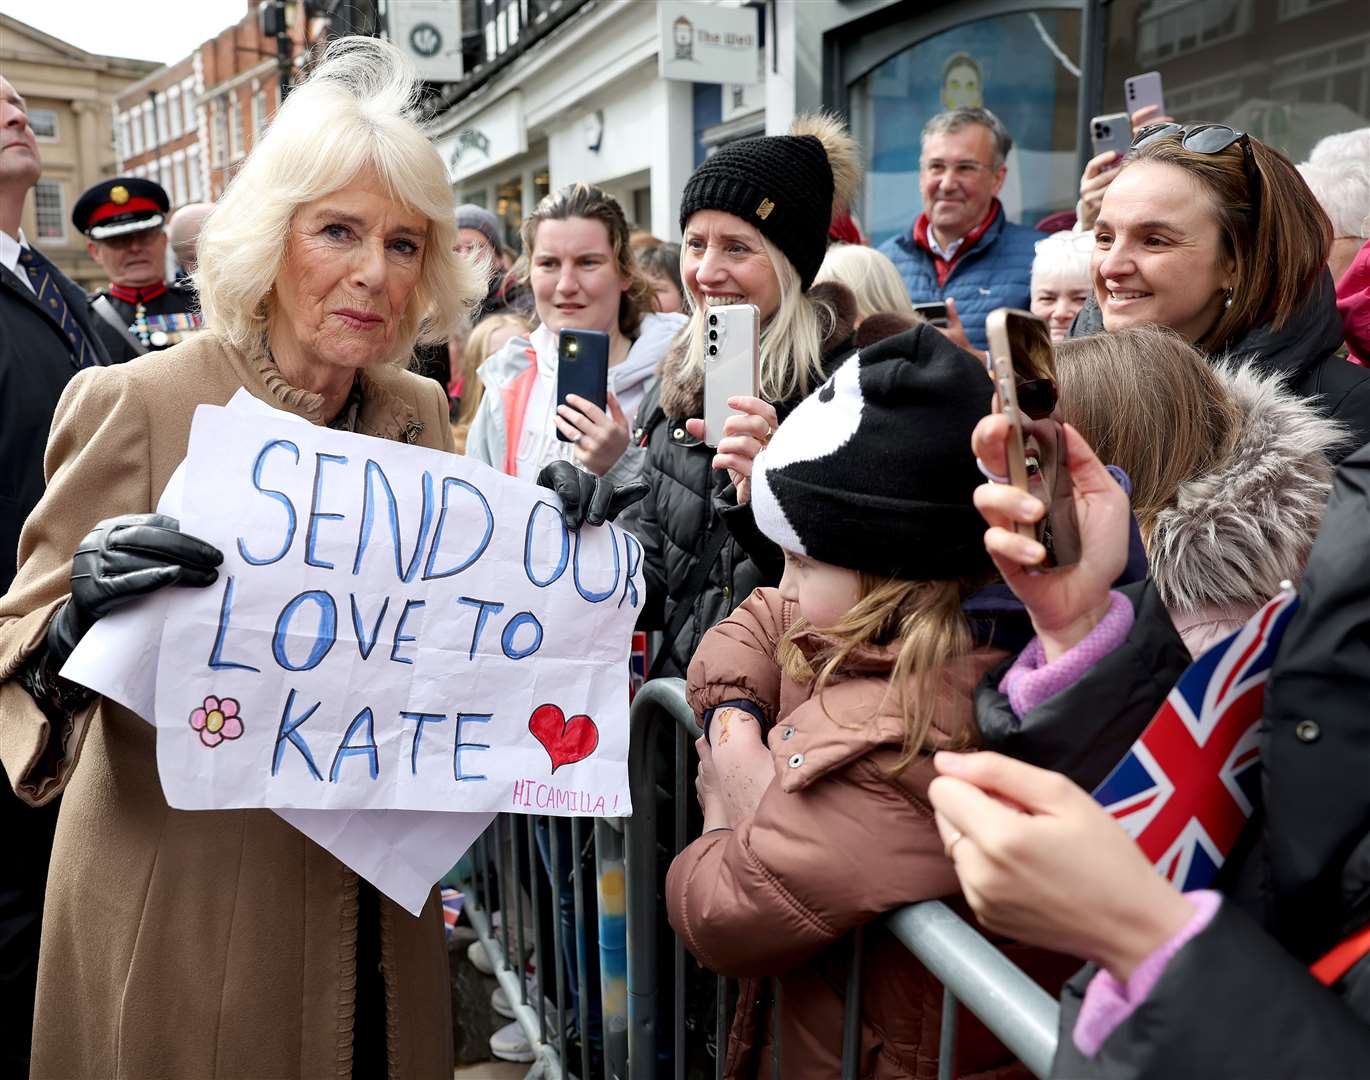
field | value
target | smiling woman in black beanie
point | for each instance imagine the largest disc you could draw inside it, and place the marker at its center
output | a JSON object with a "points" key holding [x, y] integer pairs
{"points": [[755, 221]]}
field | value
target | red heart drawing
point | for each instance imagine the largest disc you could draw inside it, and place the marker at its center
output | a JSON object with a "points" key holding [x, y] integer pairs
{"points": [[566, 741]]}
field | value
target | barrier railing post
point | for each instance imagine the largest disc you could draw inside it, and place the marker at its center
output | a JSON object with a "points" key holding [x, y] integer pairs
{"points": [[613, 946]]}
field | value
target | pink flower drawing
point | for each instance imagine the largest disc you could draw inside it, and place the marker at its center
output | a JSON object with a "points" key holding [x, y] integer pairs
{"points": [[216, 720]]}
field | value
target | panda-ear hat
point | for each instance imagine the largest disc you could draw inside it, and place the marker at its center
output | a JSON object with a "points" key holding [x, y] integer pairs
{"points": [[874, 470]]}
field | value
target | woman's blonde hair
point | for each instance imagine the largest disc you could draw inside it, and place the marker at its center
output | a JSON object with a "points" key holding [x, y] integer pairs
{"points": [[473, 354], [358, 110], [582, 200], [927, 620], [870, 275], [1147, 401]]}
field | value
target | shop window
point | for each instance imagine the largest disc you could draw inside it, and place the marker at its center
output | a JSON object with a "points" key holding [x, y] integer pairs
{"points": [[1288, 85], [509, 209], [49, 211], [1024, 67]]}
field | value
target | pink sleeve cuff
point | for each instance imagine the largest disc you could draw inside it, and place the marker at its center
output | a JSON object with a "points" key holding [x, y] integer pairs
{"points": [[1031, 680], [1109, 1002]]}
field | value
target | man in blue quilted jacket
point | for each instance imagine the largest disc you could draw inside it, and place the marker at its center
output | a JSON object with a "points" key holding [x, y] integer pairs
{"points": [[962, 245]]}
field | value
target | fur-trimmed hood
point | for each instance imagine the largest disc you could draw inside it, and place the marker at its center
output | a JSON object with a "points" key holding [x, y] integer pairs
{"points": [[682, 389], [1236, 532]]}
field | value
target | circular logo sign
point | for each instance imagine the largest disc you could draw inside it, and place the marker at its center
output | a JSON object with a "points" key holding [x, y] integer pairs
{"points": [[425, 39]]}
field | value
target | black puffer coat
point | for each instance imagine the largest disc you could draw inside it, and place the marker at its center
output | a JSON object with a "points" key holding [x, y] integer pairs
{"points": [[689, 499], [1304, 350], [1237, 1000]]}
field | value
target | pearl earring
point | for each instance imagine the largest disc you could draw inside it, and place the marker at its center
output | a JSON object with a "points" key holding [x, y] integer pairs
{"points": [[1228, 302]]}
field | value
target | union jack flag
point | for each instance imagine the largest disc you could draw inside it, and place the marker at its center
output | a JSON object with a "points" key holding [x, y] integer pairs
{"points": [[1190, 783]]}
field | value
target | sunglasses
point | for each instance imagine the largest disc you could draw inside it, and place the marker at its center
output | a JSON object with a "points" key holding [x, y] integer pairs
{"points": [[1207, 139], [1037, 398]]}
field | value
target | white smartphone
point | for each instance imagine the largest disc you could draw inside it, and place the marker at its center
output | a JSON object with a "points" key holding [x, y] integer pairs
{"points": [[732, 362], [1139, 91], [1111, 132]]}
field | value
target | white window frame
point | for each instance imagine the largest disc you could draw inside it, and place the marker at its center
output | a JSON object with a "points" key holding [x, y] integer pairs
{"points": [[149, 127], [173, 110], [188, 101], [235, 127], [135, 127], [163, 120], [194, 188], [180, 189], [42, 189], [218, 132], [56, 126]]}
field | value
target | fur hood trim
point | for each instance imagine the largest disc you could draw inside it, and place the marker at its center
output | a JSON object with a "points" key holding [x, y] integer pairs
{"points": [[1235, 534], [682, 390]]}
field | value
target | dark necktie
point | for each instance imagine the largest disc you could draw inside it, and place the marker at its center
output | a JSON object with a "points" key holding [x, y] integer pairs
{"points": [[50, 296]]}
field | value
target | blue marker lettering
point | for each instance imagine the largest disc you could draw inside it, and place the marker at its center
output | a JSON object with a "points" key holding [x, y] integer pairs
{"points": [[428, 572], [585, 594], [368, 748], [400, 636], [562, 560], [216, 654], [633, 548], [279, 496], [419, 718], [316, 515], [323, 637], [467, 718], [374, 474], [486, 607], [288, 731], [511, 628], [366, 644]]}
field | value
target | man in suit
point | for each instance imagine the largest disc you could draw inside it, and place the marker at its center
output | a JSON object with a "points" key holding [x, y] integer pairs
{"points": [[123, 221], [46, 336]]}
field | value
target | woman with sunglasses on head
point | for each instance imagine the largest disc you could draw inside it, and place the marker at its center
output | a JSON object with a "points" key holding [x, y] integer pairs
{"points": [[1214, 235]]}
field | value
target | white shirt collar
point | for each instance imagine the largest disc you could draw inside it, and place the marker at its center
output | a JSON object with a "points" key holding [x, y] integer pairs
{"points": [[9, 255], [949, 252]]}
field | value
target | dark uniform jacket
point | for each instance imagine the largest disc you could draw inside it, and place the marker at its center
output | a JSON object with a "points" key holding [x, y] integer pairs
{"points": [[688, 500], [1237, 1000], [1306, 350], [179, 299], [36, 363]]}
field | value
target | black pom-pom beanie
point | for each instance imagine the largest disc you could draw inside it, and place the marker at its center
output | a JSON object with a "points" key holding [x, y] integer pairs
{"points": [[781, 184], [874, 470]]}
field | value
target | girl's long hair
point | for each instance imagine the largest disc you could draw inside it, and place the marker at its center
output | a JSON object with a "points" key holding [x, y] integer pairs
{"points": [[927, 620]]}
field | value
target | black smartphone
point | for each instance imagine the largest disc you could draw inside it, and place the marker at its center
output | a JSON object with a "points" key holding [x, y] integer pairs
{"points": [[1023, 367], [583, 368], [934, 311]]}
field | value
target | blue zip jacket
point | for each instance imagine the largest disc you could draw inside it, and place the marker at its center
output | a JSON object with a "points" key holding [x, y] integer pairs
{"points": [[996, 272]]}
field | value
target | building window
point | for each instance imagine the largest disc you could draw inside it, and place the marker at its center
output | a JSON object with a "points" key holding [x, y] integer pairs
{"points": [[149, 126], [235, 128], [44, 124], [163, 124], [188, 100], [135, 129], [52, 217], [258, 114], [219, 131], [179, 192], [174, 112], [1175, 27], [193, 188]]}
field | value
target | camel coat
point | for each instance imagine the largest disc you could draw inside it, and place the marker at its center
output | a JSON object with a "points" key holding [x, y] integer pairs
{"points": [[191, 945]]}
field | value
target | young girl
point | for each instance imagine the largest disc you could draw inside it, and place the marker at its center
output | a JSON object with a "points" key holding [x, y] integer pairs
{"points": [[854, 671]]}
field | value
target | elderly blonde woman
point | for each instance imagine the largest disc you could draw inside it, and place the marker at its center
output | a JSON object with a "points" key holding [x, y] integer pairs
{"points": [[871, 278], [755, 222], [1060, 279], [225, 944]]}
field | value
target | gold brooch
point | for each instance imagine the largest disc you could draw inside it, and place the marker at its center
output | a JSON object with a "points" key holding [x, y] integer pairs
{"points": [[764, 210]]}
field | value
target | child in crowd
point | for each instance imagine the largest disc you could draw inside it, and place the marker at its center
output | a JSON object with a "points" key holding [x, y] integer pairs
{"points": [[823, 702]]}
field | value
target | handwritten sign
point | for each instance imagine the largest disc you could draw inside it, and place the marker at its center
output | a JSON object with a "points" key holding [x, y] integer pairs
{"points": [[393, 628]]}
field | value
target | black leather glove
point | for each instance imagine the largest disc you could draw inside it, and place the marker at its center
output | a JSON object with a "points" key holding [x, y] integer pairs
{"points": [[122, 558], [586, 498]]}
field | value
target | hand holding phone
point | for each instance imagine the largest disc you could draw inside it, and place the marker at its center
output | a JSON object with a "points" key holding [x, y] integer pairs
{"points": [[732, 363], [1112, 132], [582, 369], [1023, 369], [934, 311]]}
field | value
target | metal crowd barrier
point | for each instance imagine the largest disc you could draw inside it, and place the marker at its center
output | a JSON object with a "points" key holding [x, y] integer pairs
{"points": [[624, 1037]]}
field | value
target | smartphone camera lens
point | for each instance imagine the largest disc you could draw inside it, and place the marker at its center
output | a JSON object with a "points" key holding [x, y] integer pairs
{"points": [[572, 347], [713, 320], [713, 335], [713, 350]]}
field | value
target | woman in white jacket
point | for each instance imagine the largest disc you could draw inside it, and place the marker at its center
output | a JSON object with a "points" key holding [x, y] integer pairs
{"points": [[581, 270]]}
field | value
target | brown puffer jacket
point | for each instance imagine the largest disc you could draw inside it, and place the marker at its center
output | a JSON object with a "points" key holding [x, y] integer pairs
{"points": [[834, 843]]}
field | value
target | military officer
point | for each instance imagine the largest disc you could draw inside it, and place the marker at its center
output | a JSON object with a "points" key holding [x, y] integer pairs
{"points": [[122, 219]]}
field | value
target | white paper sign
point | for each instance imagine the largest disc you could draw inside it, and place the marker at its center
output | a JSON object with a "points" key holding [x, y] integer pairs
{"points": [[403, 853], [393, 628]]}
